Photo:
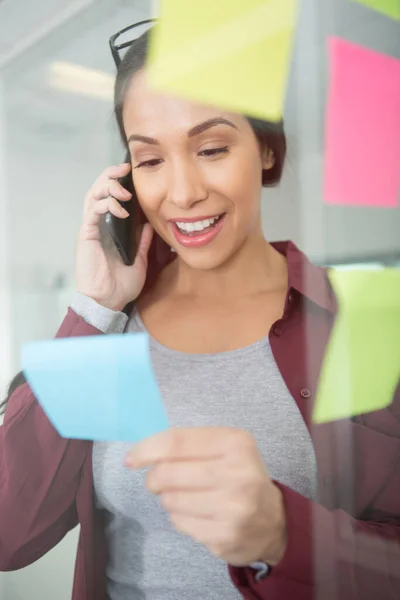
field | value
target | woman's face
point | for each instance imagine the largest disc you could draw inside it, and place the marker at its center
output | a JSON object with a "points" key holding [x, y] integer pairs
{"points": [[197, 173]]}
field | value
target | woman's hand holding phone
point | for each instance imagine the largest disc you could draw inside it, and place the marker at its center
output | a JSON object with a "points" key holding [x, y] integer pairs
{"points": [[98, 275]]}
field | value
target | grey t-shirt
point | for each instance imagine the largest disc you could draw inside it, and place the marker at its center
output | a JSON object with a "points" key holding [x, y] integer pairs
{"points": [[242, 388]]}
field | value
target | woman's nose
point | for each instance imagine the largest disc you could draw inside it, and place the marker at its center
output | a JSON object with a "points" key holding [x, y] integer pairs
{"points": [[187, 187]]}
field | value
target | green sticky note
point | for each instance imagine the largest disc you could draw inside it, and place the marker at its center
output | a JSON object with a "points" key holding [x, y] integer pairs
{"points": [[361, 367], [233, 54], [390, 8]]}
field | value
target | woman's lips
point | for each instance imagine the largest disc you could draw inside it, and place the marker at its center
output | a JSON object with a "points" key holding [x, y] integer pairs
{"points": [[196, 239]]}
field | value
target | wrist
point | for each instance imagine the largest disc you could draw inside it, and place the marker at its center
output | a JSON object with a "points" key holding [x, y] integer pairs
{"points": [[278, 537], [113, 306]]}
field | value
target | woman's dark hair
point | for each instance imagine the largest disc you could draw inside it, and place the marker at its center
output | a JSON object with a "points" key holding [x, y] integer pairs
{"points": [[18, 380]]}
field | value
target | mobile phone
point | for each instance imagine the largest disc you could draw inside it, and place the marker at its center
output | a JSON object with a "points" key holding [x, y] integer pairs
{"points": [[122, 230]]}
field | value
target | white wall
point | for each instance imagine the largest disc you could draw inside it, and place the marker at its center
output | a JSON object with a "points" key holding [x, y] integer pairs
{"points": [[43, 239], [5, 295]]}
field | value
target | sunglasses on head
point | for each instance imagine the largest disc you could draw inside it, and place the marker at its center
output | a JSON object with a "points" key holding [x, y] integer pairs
{"points": [[117, 48]]}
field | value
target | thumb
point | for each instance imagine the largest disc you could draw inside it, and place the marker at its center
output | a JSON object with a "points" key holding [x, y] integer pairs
{"points": [[144, 245]]}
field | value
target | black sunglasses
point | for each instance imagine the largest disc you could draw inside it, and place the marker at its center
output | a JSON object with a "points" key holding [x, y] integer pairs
{"points": [[116, 48]]}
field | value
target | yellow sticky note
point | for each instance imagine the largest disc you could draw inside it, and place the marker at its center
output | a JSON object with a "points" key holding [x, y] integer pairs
{"points": [[361, 368], [233, 54], [390, 8]]}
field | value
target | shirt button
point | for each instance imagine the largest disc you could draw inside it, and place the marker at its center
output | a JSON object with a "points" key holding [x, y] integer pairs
{"points": [[290, 298], [327, 480], [277, 330], [305, 393]]}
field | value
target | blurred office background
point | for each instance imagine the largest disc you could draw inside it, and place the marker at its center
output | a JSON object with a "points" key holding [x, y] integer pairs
{"points": [[57, 134]]}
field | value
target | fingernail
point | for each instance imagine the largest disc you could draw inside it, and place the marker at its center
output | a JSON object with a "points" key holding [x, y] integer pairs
{"points": [[127, 194]]}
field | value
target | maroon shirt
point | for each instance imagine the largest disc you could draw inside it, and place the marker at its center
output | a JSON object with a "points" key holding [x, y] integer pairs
{"points": [[346, 546]]}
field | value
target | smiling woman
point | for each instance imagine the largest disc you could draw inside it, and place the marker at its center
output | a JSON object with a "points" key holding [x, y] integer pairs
{"points": [[237, 328]]}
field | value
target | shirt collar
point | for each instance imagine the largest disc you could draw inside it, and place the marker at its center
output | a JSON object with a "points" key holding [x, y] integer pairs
{"points": [[309, 280]]}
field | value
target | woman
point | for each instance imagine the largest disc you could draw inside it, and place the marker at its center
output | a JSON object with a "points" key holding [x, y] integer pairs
{"points": [[237, 340]]}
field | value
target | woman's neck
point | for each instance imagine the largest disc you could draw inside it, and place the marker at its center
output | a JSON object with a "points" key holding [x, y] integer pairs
{"points": [[255, 268]]}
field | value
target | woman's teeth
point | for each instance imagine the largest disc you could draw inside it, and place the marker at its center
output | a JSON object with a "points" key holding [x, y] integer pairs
{"points": [[197, 225]]}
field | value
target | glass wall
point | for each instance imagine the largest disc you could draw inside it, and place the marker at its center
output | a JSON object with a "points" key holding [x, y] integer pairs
{"points": [[57, 134]]}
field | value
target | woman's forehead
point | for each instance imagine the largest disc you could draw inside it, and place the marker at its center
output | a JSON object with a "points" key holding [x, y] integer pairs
{"points": [[150, 109]]}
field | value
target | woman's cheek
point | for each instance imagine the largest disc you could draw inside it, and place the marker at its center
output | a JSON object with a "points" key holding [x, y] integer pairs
{"points": [[149, 193]]}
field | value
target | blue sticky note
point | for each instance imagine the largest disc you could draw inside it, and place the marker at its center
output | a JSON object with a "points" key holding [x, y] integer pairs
{"points": [[99, 388]]}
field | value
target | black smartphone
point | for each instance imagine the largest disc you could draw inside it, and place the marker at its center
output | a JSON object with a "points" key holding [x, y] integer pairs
{"points": [[122, 230]]}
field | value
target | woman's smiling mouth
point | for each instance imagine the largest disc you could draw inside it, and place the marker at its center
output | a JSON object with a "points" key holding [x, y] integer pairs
{"points": [[198, 231]]}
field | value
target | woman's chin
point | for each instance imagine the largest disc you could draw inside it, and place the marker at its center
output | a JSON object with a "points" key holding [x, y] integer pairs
{"points": [[204, 259]]}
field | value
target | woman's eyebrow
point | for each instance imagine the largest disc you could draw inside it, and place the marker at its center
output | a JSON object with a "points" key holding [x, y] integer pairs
{"points": [[142, 138], [196, 130]]}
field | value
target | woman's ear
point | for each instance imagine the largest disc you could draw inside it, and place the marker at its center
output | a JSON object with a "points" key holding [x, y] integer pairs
{"points": [[268, 158]]}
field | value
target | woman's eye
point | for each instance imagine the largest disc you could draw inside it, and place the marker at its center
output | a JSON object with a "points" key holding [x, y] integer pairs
{"points": [[214, 151], [149, 163]]}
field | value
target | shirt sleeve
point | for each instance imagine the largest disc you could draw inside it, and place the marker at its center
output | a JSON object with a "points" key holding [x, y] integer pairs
{"points": [[261, 570], [40, 473], [331, 554], [98, 316]]}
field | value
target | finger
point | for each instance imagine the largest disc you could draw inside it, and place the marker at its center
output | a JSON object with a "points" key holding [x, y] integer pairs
{"points": [[185, 475], [200, 505], [101, 207], [110, 187], [100, 189], [185, 444], [114, 172], [117, 171], [118, 191], [144, 245]]}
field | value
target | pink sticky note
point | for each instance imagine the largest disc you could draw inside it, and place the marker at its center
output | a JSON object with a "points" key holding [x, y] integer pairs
{"points": [[362, 156]]}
